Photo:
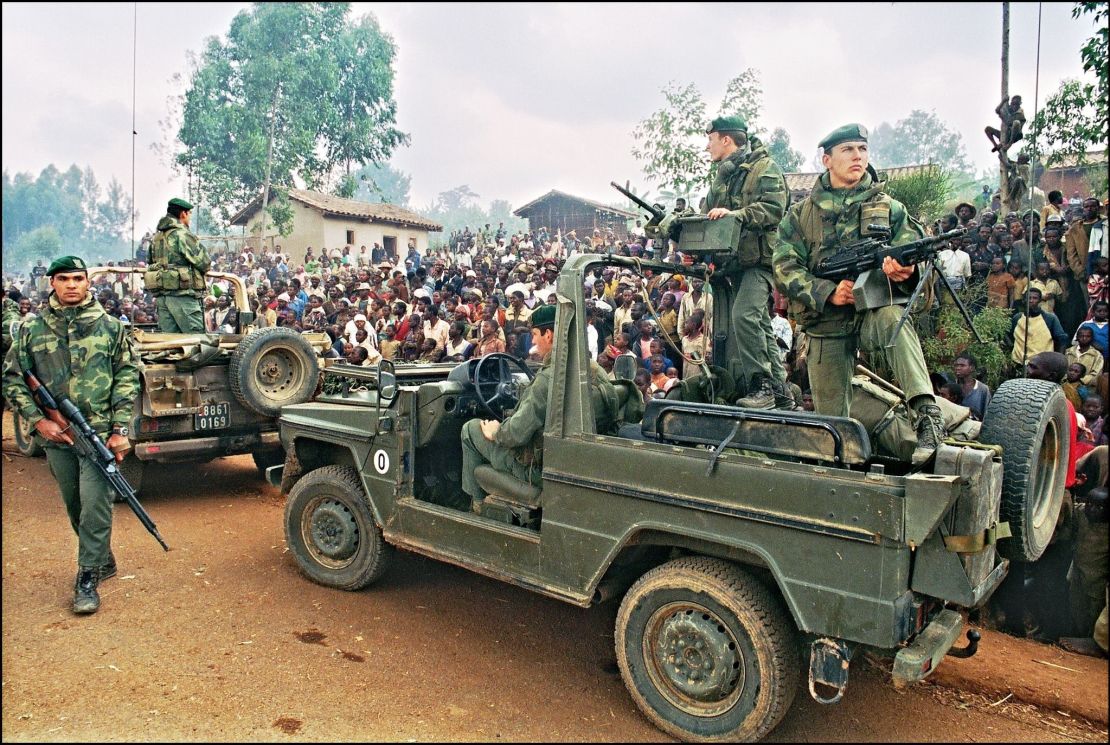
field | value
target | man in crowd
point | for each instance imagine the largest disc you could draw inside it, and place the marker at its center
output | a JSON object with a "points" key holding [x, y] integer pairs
{"points": [[175, 277], [73, 326], [1035, 331], [847, 199]]}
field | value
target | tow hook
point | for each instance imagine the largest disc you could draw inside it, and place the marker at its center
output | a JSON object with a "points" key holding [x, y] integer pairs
{"points": [[972, 647], [828, 667]]}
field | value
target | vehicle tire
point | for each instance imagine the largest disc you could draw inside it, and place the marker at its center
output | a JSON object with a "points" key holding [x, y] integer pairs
{"points": [[271, 368], [331, 531], [132, 469], [697, 612], [25, 440], [1029, 419], [264, 459]]}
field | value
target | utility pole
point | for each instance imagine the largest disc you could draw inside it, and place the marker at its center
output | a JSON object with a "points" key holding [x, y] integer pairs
{"points": [[1003, 175]]}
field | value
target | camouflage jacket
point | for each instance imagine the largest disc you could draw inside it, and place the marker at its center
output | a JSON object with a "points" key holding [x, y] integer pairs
{"points": [[751, 186], [11, 315], [815, 228], [80, 353], [177, 260]]}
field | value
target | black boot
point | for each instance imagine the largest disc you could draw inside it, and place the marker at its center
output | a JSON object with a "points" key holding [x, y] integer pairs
{"points": [[85, 597], [783, 399], [761, 394], [930, 433], [109, 569]]}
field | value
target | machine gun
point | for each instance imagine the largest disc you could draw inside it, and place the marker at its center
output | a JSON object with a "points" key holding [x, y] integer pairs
{"points": [[655, 210], [87, 443], [862, 263], [696, 235]]}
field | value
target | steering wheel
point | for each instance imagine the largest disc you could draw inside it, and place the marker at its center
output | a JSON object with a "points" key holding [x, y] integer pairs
{"points": [[500, 393]]}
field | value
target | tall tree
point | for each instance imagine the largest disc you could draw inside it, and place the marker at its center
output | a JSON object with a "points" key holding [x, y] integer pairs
{"points": [[295, 94], [787, 158], [1075, 118], [671, 141], [382, 183], [918, 139]]}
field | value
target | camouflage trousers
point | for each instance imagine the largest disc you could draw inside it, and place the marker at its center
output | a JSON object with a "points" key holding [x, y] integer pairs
{"points": [[88, 500], [832, 360], [477, 450], [758, 352], [179, 314]]}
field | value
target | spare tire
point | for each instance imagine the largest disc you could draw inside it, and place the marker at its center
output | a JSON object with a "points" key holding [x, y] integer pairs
{"points": [[25, 440], [1029, 419], [271, 368]]}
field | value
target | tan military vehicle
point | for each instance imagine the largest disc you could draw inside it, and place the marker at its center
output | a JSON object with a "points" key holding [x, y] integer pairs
{"points": [[205, 396]]}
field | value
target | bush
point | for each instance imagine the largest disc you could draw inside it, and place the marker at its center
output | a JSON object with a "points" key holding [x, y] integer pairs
{"points": [[923, 193], [944, 335]]}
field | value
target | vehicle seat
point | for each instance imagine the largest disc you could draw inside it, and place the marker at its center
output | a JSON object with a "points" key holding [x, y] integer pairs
{"points": [[630, 402], [507, 487], [625, 367]]}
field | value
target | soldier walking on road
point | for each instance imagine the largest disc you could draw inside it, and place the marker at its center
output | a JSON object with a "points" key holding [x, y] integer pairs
{"points": [[749, 187], [81, 353], [175, 275], [846, 201]]}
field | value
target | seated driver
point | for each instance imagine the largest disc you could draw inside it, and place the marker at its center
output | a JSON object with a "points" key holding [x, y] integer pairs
{"points": [[515, 446]]}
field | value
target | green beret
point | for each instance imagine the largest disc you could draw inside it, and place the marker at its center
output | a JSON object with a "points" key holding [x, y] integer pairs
{"points": [[67, 264], [728, 124], [176, 202], [543, 317], [847, 133]]}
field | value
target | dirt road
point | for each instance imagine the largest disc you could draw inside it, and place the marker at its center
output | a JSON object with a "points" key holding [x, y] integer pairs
{"points": [[223, 639]]}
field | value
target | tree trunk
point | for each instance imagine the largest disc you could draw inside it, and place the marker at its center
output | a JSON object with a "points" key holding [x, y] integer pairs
{"points": [[269, 165]]}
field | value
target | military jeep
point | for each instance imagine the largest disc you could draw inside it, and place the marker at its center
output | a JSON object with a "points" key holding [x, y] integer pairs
{"points": [[750, 549], [206, 396]]}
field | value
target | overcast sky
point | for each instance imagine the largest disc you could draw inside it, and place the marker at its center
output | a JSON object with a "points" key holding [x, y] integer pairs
{"points": [[515, 100]]}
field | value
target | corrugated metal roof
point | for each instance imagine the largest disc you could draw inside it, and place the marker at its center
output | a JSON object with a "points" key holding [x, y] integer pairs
{"points": [[372, 211]]}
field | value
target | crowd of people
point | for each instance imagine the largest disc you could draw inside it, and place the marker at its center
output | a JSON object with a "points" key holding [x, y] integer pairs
{"points": [[476, 293]]}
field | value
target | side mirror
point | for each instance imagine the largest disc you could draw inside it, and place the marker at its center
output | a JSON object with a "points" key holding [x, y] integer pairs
{"points": [[387, 382]]}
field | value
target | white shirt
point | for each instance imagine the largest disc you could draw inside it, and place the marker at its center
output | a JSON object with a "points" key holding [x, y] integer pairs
{"points": [[591, 340], [781, 327]]}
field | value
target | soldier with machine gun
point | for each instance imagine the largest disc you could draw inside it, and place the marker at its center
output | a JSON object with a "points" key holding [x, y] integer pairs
{"points": [[848, 204]]}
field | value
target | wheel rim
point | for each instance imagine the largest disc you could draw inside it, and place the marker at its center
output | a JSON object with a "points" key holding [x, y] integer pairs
{"points": [[693, 659], [279, 373], [25, 430], [330, 533], [1047, 468]]}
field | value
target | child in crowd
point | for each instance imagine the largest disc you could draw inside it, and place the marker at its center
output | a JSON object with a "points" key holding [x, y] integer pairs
{"points": [[1073, 386], [1000, 285], [1021, 281], [1049, 287]]}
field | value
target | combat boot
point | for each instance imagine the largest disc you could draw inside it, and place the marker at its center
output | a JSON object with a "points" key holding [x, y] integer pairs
{"points": [[109, 569], [930, 433], [783, 399], [85, 597], [762, 395]]}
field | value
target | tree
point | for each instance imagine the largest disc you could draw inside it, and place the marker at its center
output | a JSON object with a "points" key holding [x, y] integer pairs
{"points": [[41, 243], [1074, 118], [787, 158], [672, 140], [918, 139], [382, 183], [923, 193], [295, 94]]}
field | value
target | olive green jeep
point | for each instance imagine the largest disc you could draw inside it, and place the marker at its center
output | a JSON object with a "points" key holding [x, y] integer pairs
{"points": [[750, 550], [210, 395]]}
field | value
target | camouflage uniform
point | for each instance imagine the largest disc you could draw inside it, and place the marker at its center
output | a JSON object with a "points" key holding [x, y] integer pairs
{"points": [[85, 355], [813, 229], [751, 185], [517, 448], [175, 277], [10, 317]]}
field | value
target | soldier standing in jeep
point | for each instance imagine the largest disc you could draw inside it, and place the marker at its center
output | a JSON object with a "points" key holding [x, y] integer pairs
{"points": [[176, 273], [846, 201]]}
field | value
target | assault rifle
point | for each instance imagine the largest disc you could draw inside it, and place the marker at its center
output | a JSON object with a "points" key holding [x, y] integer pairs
{"points": [[87, 443], [862, 263]]}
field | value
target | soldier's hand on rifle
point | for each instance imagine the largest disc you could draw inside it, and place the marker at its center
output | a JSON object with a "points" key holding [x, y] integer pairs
{"points": [[842, 295], [895, 271], [119, 445], [717, 213], [51, 431]]}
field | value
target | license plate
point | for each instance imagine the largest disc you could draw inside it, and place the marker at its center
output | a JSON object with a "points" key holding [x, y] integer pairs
{"points": [[212, 416]]}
